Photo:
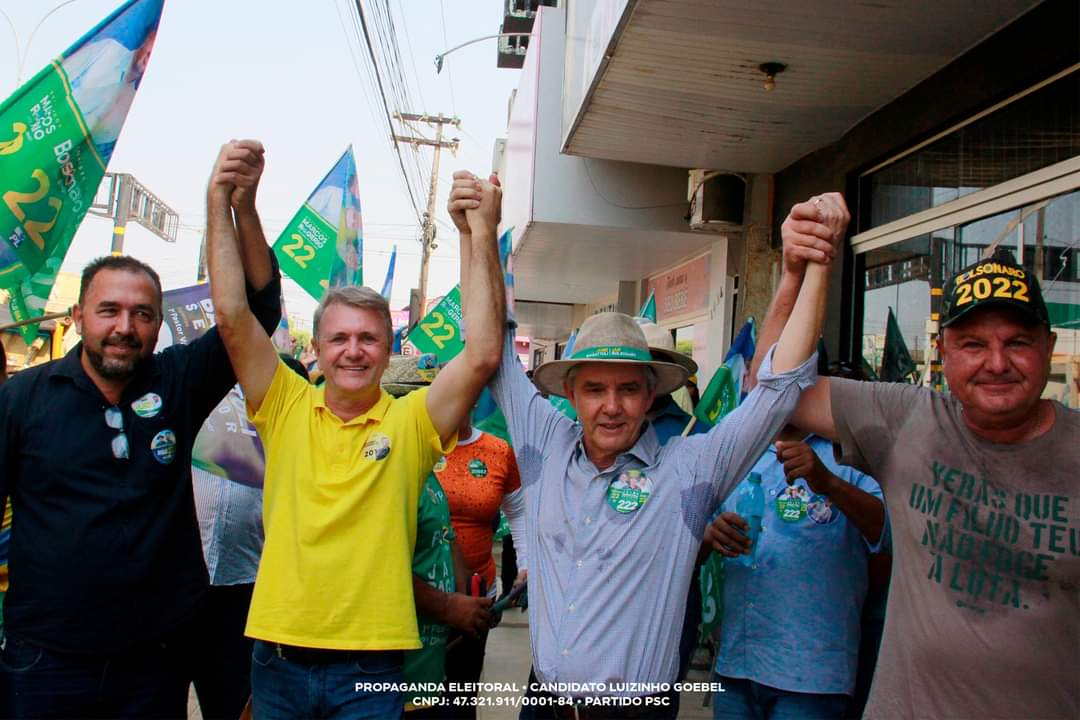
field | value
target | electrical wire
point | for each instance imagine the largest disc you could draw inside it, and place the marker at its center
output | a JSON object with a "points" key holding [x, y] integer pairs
{"points": [[386, 106], [450, 70], [611, 202]]}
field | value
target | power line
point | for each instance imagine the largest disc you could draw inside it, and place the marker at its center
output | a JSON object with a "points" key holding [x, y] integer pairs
{"points": [[450, 71], [412, 57], [386, 107], [364, 76]]}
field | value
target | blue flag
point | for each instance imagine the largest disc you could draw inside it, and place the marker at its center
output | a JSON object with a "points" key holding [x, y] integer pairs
{"points": [[348, 266], [560, 403], [388, 284], [648, 310], [740, 355], [506, 259]]}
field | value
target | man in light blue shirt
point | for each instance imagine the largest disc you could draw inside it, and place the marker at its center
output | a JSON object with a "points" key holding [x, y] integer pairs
{"points": [[615, 518], [789, 634]]}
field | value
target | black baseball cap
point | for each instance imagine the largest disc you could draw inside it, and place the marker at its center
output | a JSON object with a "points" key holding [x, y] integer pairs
{"points": [[994, 281]]}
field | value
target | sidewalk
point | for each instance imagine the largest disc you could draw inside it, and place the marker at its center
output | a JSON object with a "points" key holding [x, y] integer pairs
{"points": [[508, 660]]}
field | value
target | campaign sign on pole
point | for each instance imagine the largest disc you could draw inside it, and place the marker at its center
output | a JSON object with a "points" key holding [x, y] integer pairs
{"points": [[57, 133]]}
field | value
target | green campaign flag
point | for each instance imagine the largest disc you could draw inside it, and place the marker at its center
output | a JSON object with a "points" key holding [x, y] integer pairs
{"points": [[563, 405], [439, 332], [720, 397], [712, 595], [896, 362], [648, 310], [321, 247], [868, 370], [305, 251], [57, 133], [504, 527]]}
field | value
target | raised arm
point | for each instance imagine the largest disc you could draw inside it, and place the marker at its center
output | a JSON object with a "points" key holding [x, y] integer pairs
{"points": [[811, 234], [800, 334], [462, 198], [244, 166], [247, 342], [454, 391]]}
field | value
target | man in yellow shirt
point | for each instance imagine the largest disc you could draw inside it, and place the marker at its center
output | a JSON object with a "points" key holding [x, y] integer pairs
{"points": [[333, 606]]}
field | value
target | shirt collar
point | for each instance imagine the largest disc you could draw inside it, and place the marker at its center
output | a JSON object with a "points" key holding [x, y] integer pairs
{"points": [[644, 450], [375, 413], [70, 366]]}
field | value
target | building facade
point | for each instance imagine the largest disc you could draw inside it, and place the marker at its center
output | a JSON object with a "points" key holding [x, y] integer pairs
{"points": [[658, 144]]}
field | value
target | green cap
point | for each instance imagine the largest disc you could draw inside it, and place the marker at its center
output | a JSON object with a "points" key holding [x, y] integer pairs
{"points": [[997, 280]]}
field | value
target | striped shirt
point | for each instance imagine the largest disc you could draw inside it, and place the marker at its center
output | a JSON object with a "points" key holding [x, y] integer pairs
{"points": [[230, 523], [609, 572]]}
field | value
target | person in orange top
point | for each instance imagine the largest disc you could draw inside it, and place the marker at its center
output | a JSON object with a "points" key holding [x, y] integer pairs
{"points": [[479, 477]]}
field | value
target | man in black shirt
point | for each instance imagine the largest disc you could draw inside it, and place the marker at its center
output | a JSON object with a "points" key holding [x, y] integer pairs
{"points": [[106, 566]]}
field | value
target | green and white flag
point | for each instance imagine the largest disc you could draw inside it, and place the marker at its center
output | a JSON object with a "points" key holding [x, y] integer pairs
{"points": [[439, 332], [322, 246], [57, 133], [720, 397]]}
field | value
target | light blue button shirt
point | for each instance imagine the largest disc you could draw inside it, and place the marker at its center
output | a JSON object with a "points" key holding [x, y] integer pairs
{"points": [[607, 589], [230, 523], [791, 621]]}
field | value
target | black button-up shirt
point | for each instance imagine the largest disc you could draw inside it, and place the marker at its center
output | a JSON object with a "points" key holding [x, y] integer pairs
{"points": [[105, 553]]}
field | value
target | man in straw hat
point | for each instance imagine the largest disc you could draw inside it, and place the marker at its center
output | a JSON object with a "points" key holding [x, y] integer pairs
{"points": [[984, 499], [614, 519]]}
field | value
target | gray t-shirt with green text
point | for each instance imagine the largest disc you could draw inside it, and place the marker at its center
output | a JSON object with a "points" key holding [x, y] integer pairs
{"points": [[983, 615]]}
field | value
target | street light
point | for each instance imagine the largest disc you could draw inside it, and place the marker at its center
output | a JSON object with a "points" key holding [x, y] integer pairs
{"points": [[439, 58]]}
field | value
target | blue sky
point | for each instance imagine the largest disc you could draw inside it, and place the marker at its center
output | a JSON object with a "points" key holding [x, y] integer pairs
{"points": [[285, 73]]}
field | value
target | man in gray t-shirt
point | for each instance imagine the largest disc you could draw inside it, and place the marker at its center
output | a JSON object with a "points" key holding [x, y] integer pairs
{"points": [[983, 497]]}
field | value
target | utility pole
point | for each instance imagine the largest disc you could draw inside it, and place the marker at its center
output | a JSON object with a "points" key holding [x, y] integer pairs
{"points": [[428, 241]]}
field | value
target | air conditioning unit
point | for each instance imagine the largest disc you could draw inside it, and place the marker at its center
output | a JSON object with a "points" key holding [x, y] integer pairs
{"points": [[716, 201]]}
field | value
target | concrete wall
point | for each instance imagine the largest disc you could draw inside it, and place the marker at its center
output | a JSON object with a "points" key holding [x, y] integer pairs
{"points": [[755, 257], [590, 28], [583, 191]]}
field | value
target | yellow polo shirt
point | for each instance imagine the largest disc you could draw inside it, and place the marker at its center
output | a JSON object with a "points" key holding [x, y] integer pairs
{"points": [[339, 509]]}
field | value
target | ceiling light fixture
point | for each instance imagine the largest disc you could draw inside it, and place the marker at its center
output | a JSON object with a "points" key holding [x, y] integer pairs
{"points": [[771, 70]]}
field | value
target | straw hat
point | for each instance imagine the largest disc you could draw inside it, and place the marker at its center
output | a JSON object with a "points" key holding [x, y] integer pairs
{"points": [[610, 338], [409, 372], [662, 346]]}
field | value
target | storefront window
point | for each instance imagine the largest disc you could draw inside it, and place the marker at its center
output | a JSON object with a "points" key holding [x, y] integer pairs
{"points": [[1044, 237], [1036, 131]]}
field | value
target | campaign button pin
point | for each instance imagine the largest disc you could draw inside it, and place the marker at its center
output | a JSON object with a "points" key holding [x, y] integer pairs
{"points": [[376, 448], [629, 492], [163, 446], [147, 406]]}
